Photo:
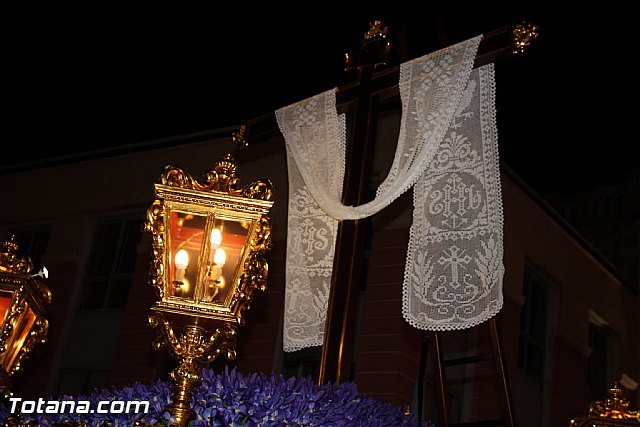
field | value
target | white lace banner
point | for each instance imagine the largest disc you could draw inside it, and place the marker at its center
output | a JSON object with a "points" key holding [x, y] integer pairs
{"points": [[454, 269], [311, 233], [431, 89]]}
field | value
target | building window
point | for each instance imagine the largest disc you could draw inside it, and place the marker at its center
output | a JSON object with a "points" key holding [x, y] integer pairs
{"points": [[111, 263], [533, 401], [599, 370], [533, 326], [32, 243]]}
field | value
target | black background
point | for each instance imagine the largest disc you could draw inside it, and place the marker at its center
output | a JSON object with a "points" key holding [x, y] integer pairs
{"points": [[89, 75]]}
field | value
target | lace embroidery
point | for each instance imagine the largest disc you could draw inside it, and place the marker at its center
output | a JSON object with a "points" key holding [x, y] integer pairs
{"points": [[432, 89], [311, 235], [453, 274]]}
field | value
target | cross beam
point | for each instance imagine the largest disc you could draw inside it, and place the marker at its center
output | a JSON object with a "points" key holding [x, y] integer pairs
{"points": [[494, 46], [362, 99]]}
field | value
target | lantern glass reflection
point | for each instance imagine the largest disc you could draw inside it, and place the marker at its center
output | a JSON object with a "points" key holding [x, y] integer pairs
{"points": [[5, 300], [209, 242], [23, 325], [208, 280], [23, 305]]}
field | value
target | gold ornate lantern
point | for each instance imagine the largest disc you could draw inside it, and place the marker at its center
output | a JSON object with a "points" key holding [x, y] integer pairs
{"points": [[23, 309], [209, 242], [613, 411]]}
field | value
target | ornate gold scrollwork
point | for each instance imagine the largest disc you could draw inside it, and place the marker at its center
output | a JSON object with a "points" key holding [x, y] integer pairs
{"points": [[193, 348], [222, 178], [25, 302], [239, 137], [221, 192], [154, 225], [183, 212], [374, 49], [9, 261], [614, 411], [522, 35], [376, 31], [615, 406], [37, 333]]}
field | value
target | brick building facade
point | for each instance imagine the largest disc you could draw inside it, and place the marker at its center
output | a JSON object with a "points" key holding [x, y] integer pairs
{"points": [[99, 333]]}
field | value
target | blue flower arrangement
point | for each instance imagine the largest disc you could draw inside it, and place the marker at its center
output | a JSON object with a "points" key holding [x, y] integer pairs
{"points": [[232, 399]]}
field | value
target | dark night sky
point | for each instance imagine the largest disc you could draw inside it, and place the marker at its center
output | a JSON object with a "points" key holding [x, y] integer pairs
{"points": [[80, 76]]}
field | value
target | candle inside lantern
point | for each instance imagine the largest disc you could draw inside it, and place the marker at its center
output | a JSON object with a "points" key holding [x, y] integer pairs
{"points": [[219, 258], [215, 238], [181, 262]]}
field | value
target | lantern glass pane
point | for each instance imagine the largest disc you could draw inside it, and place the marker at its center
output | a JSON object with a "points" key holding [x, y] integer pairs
{"points": [[227, 239], [5, 300], [186, 238], [22, 326]]}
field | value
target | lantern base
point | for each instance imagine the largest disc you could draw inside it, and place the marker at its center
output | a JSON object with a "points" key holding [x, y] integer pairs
{"points": [[185, 378], [194, 348]]}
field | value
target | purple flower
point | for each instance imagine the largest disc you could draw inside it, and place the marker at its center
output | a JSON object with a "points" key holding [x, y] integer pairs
{"points": [[232, 399]]}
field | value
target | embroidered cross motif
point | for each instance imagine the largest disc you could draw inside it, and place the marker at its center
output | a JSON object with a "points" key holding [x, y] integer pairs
{"points": [[455, 261], [454, 183]]}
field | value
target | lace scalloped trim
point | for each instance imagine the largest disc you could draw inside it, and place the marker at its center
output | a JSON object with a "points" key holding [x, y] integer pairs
{"points": [[452, 327], [311, 232], [439, 77], [435, 94], [454, 270]]}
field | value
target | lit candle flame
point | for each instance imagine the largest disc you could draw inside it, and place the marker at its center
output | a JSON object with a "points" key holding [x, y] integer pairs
{"points": [[181, 262], [220, 257], [182, 259], [216, 238]]}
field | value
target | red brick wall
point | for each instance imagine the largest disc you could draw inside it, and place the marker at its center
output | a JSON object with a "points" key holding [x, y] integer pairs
{"points": [[508, 321], [258, 340], [569, 384], [487, 392], [134, 358], [389, 348]]}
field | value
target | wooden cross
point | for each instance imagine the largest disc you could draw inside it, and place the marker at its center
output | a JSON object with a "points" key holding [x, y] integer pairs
{"points": [[374, 86]]}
